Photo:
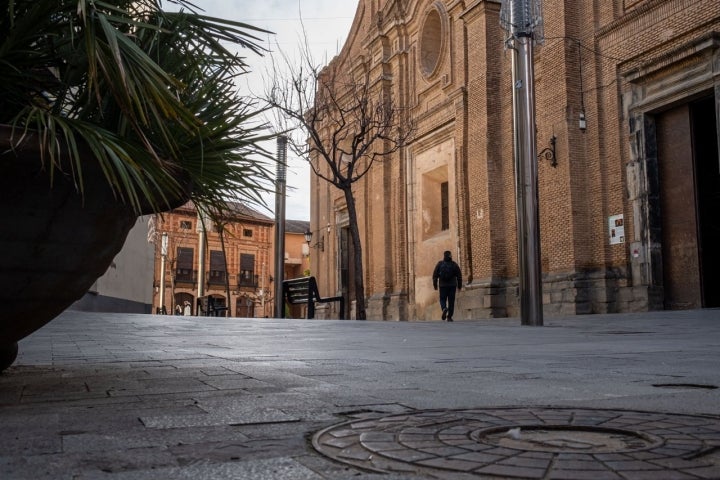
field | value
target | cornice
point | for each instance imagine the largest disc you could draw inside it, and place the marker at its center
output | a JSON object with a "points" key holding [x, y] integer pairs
{"points": [[629, 17], [708, 42]]}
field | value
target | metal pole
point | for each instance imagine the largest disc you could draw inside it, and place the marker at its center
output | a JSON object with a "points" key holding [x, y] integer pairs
{"points": [[163, 257], [280, 224], [526, 173], [263, 291], [526, 178]]}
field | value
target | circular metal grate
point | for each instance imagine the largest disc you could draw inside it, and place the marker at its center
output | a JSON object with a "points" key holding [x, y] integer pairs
{"points": [[530, 443]]}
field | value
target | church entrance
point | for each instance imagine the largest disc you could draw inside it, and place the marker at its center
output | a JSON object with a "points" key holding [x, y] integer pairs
{"points": [[689, 197]]}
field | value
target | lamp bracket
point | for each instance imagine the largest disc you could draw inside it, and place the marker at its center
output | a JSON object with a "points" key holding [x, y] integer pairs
{"points": [[549, 152]]}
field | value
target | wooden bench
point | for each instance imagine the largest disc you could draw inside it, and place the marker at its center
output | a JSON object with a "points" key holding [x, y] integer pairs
{"points": [[305, 290], [207, 306]]}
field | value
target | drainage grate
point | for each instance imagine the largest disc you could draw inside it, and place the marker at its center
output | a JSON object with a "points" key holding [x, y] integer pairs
{"points": [[529, 443]]}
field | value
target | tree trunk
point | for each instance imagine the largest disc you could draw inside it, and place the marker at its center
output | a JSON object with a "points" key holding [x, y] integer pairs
{"points": [[360, 313]]}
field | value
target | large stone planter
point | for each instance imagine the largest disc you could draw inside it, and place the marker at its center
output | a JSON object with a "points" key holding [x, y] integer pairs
{"points": [[54, 243]]}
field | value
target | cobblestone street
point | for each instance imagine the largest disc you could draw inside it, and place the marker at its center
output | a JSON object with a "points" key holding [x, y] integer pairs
{"points": [[627, 396]]}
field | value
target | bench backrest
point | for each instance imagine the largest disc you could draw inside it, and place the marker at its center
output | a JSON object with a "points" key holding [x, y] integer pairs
{"points": [[305, 290], [300, 290]]}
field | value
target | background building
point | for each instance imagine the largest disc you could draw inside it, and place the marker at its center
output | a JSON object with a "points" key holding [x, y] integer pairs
{"points": [[627, 102], [297, 259], [243, 283], [246, 278], [297, 251], [127, 284]]}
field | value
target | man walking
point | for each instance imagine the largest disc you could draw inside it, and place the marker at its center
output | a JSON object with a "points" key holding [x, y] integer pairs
{"points": [[448, 277]]}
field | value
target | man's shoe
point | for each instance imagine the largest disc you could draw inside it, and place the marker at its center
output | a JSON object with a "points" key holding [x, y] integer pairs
{"points": [[444, 315], [449, 319]]}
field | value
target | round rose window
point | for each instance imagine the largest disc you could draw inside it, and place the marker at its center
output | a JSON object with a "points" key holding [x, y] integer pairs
{"points": [[431, 42]]}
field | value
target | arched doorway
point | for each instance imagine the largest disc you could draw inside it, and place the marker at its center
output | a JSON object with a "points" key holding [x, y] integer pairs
{"points": [[245, 307], [186, 301]]}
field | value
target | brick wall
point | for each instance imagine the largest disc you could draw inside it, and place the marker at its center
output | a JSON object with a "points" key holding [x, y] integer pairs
{"points": [[583, 67]]}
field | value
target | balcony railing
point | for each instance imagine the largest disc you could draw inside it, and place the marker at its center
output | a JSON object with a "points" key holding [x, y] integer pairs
{"points": [[185, 276], [217, 277], [249, 281]]}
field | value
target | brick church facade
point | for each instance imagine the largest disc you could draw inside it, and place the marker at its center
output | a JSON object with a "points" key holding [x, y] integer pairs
{"points": [[627, 94]]}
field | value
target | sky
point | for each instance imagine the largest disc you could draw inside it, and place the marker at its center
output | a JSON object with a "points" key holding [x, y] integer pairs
{"points": [[327, 24]]}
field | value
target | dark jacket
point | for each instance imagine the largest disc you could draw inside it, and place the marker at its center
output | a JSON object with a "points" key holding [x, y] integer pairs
{"points": [[456, 281]]}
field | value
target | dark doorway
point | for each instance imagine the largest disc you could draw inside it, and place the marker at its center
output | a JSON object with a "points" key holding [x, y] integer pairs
{"points": [[186, 302], [689, 197], [707, 165], [245, 307]]}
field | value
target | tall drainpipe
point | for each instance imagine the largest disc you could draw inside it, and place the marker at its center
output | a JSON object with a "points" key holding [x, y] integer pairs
{"points": [[201, 259], [163, 257], [280, 224], [521, 18]]}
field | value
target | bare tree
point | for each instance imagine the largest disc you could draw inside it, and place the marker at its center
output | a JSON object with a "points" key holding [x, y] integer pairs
{"points": [[342, 119]]}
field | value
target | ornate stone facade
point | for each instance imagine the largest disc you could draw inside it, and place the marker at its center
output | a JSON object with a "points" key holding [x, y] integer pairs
{"points": [[628, 90]]}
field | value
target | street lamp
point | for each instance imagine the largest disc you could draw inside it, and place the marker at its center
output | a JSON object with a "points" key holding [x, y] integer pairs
{"points": [[320, 243], [280, 185]]}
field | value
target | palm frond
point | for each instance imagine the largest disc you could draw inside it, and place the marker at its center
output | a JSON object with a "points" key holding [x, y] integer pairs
{"points": [[150, 93]]}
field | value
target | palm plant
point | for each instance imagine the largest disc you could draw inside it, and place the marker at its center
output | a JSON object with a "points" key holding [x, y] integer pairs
{"points": [[149, 92], [141, 97]]}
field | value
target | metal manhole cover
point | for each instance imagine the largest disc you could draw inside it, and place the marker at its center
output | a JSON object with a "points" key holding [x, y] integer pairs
{"points": [[530, 443]]}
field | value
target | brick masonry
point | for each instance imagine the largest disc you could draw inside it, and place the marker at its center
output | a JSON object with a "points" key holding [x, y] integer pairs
{"points": [[619, 63]]}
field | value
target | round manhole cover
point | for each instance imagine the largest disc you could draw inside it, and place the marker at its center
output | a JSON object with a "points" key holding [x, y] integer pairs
{"points": [[530, 443]]}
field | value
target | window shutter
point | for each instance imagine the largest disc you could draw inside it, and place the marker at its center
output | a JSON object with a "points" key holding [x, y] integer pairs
{"points": [[185, 258], [247, 262], [217, 261]]}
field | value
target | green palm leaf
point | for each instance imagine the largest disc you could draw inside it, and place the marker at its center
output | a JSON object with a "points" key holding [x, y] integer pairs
{"points": [[150, 93]]}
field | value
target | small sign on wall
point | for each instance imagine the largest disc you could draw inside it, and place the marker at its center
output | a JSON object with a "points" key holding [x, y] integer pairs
{"points": [[616, 228]]}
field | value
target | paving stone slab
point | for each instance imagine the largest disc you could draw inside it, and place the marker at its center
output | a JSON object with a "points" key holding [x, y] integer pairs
{"points": [[269, 469], [95, 376]]}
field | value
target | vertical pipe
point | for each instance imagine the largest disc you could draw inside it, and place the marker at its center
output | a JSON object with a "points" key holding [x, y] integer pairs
{"points": [[263, 290], [201, 257], [280, 224], [163, 257], [526, 181]]}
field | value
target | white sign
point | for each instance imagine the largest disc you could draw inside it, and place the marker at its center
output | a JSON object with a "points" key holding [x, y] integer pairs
{"points": [[616, 228]]}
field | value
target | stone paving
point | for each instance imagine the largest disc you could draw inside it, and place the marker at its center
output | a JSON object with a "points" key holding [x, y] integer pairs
{"points": [[109, 396]]}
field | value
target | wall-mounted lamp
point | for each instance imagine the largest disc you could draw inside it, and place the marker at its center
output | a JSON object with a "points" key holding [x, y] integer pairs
{"points": [[582, 123], [549, 152], [320, 244]]}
